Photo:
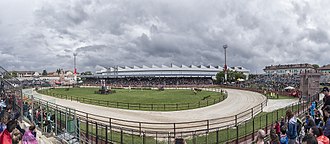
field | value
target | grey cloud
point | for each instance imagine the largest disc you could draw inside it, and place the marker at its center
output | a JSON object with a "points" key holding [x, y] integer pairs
{"points": [[145, 32]]}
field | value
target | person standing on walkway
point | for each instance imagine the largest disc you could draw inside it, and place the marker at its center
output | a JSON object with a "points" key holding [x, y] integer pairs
{"points": [[326, 127], [326, 100], [292, 127]]}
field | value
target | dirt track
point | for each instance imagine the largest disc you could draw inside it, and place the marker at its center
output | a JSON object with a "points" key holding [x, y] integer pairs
{"points": [[237, 102]]}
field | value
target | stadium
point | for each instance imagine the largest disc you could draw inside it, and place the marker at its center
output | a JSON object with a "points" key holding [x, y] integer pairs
{"points": [[235, 118]]}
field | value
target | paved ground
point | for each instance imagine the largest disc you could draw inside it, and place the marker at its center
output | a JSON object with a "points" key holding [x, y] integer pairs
{"points": [[274, 104]]}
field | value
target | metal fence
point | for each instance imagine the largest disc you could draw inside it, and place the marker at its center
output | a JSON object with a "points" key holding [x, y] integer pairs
{"points": [[89, 128], [147, 107]]}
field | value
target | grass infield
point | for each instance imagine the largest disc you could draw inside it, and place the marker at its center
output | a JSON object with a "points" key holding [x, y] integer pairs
{"points": [[169, 99]]}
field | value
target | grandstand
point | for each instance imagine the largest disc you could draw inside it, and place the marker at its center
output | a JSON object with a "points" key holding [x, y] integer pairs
{"points": [[159, 75]]}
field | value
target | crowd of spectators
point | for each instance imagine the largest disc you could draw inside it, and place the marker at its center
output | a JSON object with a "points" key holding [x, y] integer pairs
{"points": [[10, 126], [271, 82], [314, 128], [150, 81]]}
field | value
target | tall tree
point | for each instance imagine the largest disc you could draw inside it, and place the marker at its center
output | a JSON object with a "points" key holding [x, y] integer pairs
{"points": [[44, 73], [14, 74], [232, 76], [315, 66]]}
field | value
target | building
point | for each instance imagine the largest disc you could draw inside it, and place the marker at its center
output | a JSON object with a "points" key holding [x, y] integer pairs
{"points": [[163, 71], [23, 73], [309, 84], [288, 69], [325, 69]]}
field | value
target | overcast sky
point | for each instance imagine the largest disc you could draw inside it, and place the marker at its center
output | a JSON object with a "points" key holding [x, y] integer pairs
{"points": [[43, 34]]}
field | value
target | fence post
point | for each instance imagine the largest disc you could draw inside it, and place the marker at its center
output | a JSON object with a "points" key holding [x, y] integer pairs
{"points": [[217, 133], [96, 133], [110, 126], [106, 134], [121, 136], [261, 107], [42, 116], [236, 125], [251, 112], [56, 114], [169, 138], [143, 138], [208, 125], [253, 129], [174, 129], [87, 125], [140, 128], [108, 103], [298, 107], [266, 123], [176, 106]]}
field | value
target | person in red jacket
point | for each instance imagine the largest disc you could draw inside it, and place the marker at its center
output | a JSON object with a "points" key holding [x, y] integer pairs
{"points": [[277, 128], [5, 137]]}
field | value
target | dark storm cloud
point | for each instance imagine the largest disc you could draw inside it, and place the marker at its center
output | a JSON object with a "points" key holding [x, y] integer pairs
{"points": [[45, 34]]}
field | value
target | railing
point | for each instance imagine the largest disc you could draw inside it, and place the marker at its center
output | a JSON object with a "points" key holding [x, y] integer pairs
{"points": [[99, 129], [146, 107]]}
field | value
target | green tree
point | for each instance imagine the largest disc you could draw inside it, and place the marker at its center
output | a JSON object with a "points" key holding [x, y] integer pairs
{"points": [[315, 66], [44, 73], [14, 74], [232, 76], [88, 73]]}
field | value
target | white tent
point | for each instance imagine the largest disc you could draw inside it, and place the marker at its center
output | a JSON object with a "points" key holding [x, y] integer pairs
{"points": [[289, 88]]}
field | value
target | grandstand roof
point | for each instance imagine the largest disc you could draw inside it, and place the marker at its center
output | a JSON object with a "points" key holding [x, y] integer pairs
{"points": [[165, 67], [288, 66]]}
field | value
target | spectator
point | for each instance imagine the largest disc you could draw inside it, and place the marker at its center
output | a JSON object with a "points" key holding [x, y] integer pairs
{"points": [[16, 136], [292, 127], [318, 133], [260, 137], [312, 110], [277, 128], [326, 127], [282, 122], [29, 137], [309, 139], [5, 137], [326, 100], [283, 137], [310, 123], [273, 137], [4, 120]]}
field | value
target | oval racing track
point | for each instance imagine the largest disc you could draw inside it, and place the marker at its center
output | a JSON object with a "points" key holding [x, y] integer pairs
{"points": [[210, 117]]}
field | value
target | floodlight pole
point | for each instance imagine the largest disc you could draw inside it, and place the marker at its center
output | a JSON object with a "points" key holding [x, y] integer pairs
{"points": [[225, 67], [75, 67]]}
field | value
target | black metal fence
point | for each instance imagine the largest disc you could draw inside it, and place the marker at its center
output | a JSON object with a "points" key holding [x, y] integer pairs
{"points": [[147, 107], [89, 128]]}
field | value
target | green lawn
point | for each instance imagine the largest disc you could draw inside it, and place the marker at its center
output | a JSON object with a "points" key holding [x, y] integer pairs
{"points": [[166, 100]]}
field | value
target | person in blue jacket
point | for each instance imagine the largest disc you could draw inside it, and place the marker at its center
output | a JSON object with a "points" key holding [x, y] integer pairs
{"points": [[292, 127]]}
